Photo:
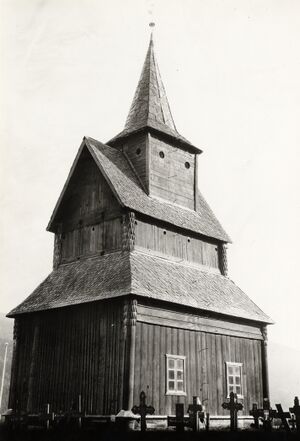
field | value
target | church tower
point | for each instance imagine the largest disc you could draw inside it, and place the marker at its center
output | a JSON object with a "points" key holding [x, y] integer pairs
{"points": [[165, 161], [139, 297]]}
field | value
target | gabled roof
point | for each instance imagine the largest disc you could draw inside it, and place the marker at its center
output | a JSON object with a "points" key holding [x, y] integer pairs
{"points": [[127, 189], [150, 107], [144, 275]]}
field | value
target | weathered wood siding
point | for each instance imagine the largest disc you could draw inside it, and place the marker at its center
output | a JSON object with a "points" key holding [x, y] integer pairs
{"points": [[174, 243], [89, 215], [168, 176], [206, 354], [91, 239], [61, 354], [87, 192], [136, 149]]}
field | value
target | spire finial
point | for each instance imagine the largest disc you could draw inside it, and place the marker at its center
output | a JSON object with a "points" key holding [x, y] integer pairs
{"points": [[151, 25]]}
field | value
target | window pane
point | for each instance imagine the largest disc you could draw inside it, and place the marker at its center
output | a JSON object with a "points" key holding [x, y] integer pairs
{"points": [[230, 379], [179, 375], [238, 390], [230, 370], [179, 385], [171, 363], [179, 364], [230, 389], [171, 385], [237, 370], [237, 380], [171, 375]]}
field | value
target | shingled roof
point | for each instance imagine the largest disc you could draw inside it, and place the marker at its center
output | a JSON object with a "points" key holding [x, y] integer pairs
{"points": [[150, 107], [144, 275], [126, 187]]}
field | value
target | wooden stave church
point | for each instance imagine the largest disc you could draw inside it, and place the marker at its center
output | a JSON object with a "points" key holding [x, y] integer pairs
{"points": [[139, 292]]}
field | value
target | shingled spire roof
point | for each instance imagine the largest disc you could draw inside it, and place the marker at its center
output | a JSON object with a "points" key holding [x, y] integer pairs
{"points": [[150, 107], [150, 101]]}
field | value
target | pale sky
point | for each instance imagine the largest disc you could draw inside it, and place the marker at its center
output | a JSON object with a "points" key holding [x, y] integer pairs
{"points": [[231, 70]]}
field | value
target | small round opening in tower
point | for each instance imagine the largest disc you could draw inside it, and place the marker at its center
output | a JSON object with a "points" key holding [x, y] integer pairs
{"points": [[138, 151], [161, 155], [187, 165]]}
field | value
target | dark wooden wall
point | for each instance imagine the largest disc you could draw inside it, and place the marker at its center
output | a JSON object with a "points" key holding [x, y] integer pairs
{"points": [[168, 176], [174, 243], [89, 216], [206, 354], [61, 354], [88, 240], [136, 149], [87, 192]]}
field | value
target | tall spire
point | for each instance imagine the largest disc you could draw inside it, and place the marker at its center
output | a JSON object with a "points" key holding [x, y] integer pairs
{"points": [[150, 103], [150, 108]]}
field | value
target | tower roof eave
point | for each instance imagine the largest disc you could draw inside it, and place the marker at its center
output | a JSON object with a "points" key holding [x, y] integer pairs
{"points": [[156, 128]]}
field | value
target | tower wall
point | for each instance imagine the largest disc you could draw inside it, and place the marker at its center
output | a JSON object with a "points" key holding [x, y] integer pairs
{"points": [[171, 173], [169, 241]]}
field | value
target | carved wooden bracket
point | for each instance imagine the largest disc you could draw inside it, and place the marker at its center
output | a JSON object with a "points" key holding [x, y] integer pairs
{"points": [[223, 259], [128, 239], [57, 248]]}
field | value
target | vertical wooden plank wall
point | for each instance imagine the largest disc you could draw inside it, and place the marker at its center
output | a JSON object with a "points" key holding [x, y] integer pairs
{"points": [[206, 354], [79, 351], [136, 149], [174, 243], [169, 178], [89, 217]]}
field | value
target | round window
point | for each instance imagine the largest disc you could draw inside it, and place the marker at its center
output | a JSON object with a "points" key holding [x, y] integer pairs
{"points": [[161, 154], [138, 151], [187, 165]]}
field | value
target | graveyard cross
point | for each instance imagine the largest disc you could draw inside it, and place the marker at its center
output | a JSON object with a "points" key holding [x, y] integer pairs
{"points": [[195, 413], [296, 411], [283, 416], [256, 413], [268, 415], [233, 406], [179, 420], [143, 410]]}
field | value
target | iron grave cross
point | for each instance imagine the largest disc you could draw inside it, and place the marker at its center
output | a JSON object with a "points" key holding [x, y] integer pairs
{"points": [[143, 410], [233, 406], [296, 411]]}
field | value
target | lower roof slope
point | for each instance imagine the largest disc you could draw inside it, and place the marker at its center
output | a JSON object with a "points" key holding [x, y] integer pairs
{"points": [[144, 275]]}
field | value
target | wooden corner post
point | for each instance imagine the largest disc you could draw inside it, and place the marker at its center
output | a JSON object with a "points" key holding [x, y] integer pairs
{"points": [[265, 370], [128, 234], [12, 402], [33, 366], [130, 345], [196, 183]]}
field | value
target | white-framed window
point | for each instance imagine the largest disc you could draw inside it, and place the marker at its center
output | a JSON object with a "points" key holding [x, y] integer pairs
{"points": [[175, 374], [234, 378]]}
